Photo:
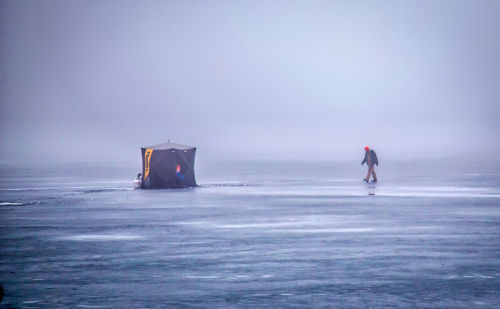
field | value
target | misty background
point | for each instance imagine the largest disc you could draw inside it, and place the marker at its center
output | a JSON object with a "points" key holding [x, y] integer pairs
{"points": [[313, 80]]}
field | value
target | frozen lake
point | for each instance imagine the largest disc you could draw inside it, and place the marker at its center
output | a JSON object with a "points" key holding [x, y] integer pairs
{"points": [[254, 234]]}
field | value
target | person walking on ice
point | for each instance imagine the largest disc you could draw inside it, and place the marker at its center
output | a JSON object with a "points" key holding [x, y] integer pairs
{"points": [[370, 159]]}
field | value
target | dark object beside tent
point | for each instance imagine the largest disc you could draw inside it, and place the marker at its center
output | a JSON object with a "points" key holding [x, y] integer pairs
{"points": [[168, 165]]}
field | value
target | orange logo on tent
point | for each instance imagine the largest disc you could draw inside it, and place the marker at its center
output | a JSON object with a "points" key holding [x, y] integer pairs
{"points": [[147, 158]]}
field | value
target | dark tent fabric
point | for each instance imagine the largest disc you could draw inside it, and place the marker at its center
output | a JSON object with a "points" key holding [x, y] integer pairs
{"points": [[168, 165]]}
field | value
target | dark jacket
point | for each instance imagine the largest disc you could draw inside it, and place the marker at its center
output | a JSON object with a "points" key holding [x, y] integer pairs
{"points": [[373, 158]]}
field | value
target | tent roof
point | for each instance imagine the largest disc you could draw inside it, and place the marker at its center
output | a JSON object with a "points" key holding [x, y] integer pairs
{"points": [[168, 146]]}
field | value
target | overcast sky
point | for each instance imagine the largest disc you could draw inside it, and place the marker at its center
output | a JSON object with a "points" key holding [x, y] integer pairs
{"points": [[249, 79]]}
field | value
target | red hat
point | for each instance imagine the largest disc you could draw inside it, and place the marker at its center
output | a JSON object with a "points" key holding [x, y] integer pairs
{"points": [[367, 148]]}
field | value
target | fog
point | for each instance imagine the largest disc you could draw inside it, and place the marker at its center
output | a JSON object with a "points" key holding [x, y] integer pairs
{"points": [[96, 80]]}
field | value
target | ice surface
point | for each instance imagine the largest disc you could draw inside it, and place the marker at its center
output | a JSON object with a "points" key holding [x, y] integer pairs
{"points": [[257, 235]]}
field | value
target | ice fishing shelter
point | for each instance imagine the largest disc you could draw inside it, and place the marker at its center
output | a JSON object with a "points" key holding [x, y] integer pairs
{"points": [[168, 165]]}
